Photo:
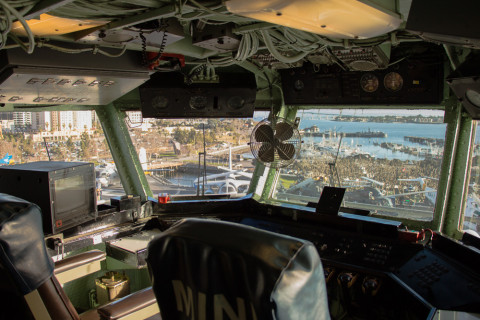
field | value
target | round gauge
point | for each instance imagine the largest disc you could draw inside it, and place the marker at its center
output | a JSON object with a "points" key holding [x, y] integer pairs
{"points": [[159, 102], [235, 102], [298, 85], [369, 82], [198, 102], [393, 81]]}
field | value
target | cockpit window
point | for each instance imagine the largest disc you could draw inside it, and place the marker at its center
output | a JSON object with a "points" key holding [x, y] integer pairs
{"points": [[388, 160], [194, 156], [60, 136], [471, 218]]}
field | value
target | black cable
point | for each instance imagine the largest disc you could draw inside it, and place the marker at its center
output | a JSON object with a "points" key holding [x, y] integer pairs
{"points": [[163, 27], [199, 70], [144, 49]]}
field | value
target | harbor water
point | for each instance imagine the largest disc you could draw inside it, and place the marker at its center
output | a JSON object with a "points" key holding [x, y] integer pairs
{"points": [[395, 133]]}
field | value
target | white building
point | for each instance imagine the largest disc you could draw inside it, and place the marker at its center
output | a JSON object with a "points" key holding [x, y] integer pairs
{"points": [[65, 120], [22, 119], [6, 121], [54, 120], [73, 120], [48, 120], [136, 120], [82, 120]]}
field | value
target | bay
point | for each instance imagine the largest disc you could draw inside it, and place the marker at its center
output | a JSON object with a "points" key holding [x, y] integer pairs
{"points": [[396, 133]]}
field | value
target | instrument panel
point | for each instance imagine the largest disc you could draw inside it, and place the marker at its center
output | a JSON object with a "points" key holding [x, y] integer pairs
{"points": [[359, 268], [370, 272], [413, 80], [343, 248]]}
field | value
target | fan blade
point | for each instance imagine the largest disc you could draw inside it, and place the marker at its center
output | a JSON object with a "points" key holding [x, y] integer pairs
{"points": [[266, 153], [264, 133], [283, 131], [285, 151]]}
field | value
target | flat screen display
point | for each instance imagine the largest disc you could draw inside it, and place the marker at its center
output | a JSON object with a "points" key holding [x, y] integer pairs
{"points": [[71, 193]]}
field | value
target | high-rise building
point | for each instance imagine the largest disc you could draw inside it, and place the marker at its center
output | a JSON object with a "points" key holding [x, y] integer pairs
{"points": [[22, 119], [55, 121], [65, 120], [82, 120], [6, 121], [48, 121], [70, 120], [6, 115], [38, 121]]}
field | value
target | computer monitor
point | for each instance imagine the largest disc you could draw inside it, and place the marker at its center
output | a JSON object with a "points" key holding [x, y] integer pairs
{"points": [[65, 191]]}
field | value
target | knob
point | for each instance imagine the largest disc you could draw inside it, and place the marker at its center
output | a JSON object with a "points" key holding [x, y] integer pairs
{"points": [[346, 279], [370, 286]]}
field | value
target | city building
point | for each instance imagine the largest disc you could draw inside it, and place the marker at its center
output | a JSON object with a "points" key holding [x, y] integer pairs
{"points": [[82, 120], [136, 120], [22, 120]]}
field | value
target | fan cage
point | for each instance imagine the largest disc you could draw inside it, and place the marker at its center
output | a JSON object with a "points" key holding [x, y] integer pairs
{"points": [[295, 141]]}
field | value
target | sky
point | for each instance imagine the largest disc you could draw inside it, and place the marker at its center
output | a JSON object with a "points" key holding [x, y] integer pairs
{"points": [[364, 112], [377, 112]]}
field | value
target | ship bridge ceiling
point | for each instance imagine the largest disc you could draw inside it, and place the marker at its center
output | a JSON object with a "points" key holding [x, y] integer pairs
{"points": [[92, 53]]}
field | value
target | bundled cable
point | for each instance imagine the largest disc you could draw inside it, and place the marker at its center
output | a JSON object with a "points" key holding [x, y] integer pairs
{"points": [[280, 57], [93, 50], [106, 10], [11, 11], [40, 44]]}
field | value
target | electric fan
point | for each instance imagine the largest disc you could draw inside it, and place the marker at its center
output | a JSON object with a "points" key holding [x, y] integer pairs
{"points": [[275, 143]]}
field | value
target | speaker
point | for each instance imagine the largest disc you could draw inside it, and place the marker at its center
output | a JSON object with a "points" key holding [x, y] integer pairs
{"points": [[168, 95], [465, 83]]}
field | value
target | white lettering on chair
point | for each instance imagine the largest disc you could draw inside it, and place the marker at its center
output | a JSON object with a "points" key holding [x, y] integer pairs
{"points": [[181, 295], [221, 306]]}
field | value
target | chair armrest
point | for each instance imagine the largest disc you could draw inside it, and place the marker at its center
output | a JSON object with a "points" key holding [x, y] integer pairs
{"points": [[79, 265], [139, 305]]}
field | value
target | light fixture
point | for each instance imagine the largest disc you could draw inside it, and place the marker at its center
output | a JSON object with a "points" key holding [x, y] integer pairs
{"points": [[473, 97], [342, 19]]}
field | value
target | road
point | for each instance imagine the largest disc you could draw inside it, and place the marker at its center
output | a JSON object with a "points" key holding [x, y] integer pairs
{"points": [[116, 190]]}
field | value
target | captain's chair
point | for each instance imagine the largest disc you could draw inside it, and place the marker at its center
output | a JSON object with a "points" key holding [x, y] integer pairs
{"points": [[28, 286], [205, 269]]}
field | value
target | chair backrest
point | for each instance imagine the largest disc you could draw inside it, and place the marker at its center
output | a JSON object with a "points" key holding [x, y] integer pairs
{"points": [[206, 269], [26, 269]]}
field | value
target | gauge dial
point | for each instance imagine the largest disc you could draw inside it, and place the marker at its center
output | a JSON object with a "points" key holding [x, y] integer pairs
{"points": [[393, 81], [369, 82], [298, 85], [160, 102], [198, 102]]}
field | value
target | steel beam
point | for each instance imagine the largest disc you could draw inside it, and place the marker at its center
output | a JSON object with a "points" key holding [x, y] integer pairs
{"points": [[123, 151], [456, 195]]}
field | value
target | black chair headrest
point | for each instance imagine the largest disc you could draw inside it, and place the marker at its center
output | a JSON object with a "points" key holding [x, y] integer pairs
{"points": [[23, 254], [205, 269]]}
